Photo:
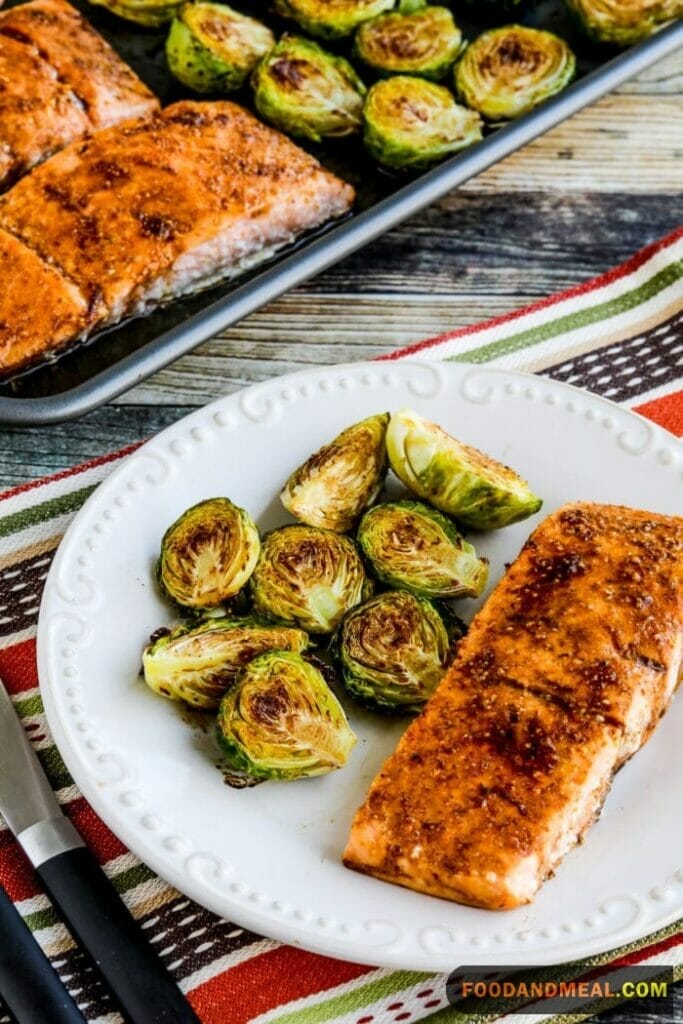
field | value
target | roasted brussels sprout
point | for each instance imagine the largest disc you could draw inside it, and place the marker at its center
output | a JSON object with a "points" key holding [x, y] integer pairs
{"points": [[152, 13], [330, 19], [411, 123], [392, 651], [308, 92], [461, 481], [410, 545], [198, 663], [507, 71], [282, 721], [623, 22], [415, 40], [308, 577], [212, 48], [208, 554], [340, 481]]}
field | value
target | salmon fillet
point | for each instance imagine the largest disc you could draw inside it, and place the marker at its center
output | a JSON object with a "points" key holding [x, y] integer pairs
{"points": [[58, 80], [562, 676], [160, 207]]}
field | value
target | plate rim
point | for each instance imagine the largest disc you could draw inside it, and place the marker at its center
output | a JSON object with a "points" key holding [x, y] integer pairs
{"points": [[251, 916]]}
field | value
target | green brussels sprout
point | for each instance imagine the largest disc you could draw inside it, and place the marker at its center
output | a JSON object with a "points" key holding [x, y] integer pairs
{"points": [[623, 22], [411, 123], [392, 651], [198, 663], [508, 71], [208, 554], [282, 721], [340, 481], [412, 546], [308, 577], [331, 19], [457, 479], [151, 13], [308, 92], [212, 48], [415, 40]]}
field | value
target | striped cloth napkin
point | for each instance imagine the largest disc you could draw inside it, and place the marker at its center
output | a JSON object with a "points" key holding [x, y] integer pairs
{"points": [[620, 335]]}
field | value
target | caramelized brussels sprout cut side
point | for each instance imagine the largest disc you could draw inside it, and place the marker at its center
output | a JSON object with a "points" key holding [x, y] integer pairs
{"points": [[198, 664], [623, 22], [508, 71], [415, 40], [208, 554], [411, 123], [282, 721], [457, 479], [151, 13], [392, 651], [331, 19], [410, 545], [309, 578], [308, 92], [341, 480], [212, 48]]}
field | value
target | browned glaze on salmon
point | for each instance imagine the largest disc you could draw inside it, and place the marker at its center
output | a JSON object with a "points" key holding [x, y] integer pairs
{"points": [[158, 207], [58, 80], [562, 676]]}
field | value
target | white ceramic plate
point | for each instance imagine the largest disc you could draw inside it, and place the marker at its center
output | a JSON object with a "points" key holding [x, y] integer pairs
{"points": [[268, 857]]}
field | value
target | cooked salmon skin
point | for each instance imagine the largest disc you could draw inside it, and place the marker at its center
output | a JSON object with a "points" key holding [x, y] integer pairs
{"points": [[58, 80], [563, 675], [158, 207]]}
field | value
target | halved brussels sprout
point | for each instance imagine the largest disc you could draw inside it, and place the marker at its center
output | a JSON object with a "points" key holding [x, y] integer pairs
{"points": [[340, 481], [282, 721], [208, 554], [152, 13], [331, 19], [212, 48], [308, 577], [460, 480], [415, 40], [623, 22], [412, 546], [393, 651], [197, 664], [508, 71], [308, 92], [411, 123]]}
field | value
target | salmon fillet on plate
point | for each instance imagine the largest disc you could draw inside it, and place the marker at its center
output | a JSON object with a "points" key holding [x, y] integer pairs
{"points": [[563, 675], [156, 208]]}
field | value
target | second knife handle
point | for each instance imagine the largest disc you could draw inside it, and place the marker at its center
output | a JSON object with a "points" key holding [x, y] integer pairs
{"points": [[100, 922]]}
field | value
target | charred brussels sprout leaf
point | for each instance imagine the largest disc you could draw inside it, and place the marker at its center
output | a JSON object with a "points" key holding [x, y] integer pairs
{"points": [[623, 22], [197, 664], [331, 19], [459, 480], [212, 48], [341, 480], [282, 721], [411, 123], [307, 92], [415, 40], [308, 577], [392, 651], [507, 71], [152, 13], [410, 545], [208, 554]]}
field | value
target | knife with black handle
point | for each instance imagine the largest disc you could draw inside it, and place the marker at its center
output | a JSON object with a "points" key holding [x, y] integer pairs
{"points": [[79, 890]]}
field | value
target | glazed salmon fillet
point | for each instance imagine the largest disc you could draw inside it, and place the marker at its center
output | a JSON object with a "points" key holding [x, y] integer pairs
{"points": [[58, 80], [163, 206], [562, 676]]}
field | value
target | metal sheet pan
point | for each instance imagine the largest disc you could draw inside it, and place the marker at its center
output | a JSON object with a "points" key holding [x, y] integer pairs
{"points": [[117, 359]]}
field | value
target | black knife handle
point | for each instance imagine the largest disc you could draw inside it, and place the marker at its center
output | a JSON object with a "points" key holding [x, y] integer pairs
{"points": [[29, 985], [100, 922]]}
